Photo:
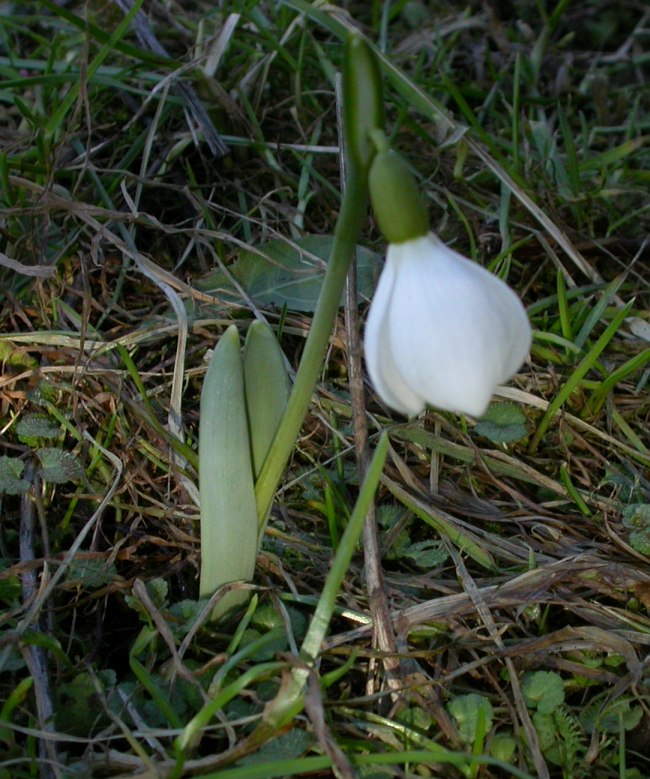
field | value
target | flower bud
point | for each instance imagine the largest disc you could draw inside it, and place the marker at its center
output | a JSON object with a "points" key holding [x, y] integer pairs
{"points": [[396, 198]]}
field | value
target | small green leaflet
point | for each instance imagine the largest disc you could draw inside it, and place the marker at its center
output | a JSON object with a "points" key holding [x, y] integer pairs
{"points": [[58, 466], [33, 426], [466, 709], [91, 573], [11, 470], [543, 690], [636, 517], [503, 423]]}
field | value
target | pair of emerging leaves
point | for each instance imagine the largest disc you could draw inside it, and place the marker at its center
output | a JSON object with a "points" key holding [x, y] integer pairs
{"points": [[243, 398]]}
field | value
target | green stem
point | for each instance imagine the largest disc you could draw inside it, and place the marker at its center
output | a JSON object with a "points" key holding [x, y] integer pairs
{"points": [[289, 701], [346, 235]]}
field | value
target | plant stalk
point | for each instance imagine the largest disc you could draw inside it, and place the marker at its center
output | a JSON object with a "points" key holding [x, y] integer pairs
{"points": [[348, 228]]}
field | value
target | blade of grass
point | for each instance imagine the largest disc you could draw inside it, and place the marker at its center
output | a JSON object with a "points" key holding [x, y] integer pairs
{"points": [[444, 527], [596, 314], [627, 431], [192, 730], [288, 703], [435, 756], [323, 614], [630, 367], [578, 374], [102, 36], [573, 492], [572, 165], [158, 695], [563, 308], [56, 120], [421, 101]]}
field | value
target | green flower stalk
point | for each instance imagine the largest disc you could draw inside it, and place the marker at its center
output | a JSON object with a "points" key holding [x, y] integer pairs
{"points": [[363, 104], [363, 116]]}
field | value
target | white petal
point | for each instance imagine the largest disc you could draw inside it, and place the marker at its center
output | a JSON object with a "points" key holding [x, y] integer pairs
{"points": [[383, 374], [449, 330]]}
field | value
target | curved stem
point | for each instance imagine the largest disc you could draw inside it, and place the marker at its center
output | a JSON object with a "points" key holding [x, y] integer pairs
{"points": [[346, 235]]}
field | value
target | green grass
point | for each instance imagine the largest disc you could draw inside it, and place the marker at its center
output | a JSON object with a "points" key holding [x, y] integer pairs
{"points": [[514, 552]]}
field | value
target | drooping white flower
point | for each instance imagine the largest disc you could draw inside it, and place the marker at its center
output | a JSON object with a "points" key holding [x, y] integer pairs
{"points": [[442, 330]]}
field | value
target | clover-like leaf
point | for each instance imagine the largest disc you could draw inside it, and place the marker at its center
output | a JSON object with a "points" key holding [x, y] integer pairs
{"points": [[503, 423], [609, 718], [91, 573], [636, 516], [503, 747], [79, 706], [546, 730], [285, 747], [543, 690], [640, 541], [58, 466], [11, 470], [467, 711], [34, 426]]}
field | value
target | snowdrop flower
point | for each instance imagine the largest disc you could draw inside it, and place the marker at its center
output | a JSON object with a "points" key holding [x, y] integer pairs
{"points": [[441, 330]]}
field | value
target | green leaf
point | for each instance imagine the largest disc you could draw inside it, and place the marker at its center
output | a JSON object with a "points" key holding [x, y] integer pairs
{"points": [[636, 517], [640, 541], [91, 573], [543, 690], [11, 469], [229, 529], [416, 718], [270, 643], [181, 697], [10, 587], [266, 382], [13, 357], [503, 423], [286, 747], [503, 747], [158, 590], [425, 554], [621, 712], [13, 661], [466, 709], [546, 730], [267, 617], [58, 466], [79, 707], [184, 614], [32, 426], [291, 274]]}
